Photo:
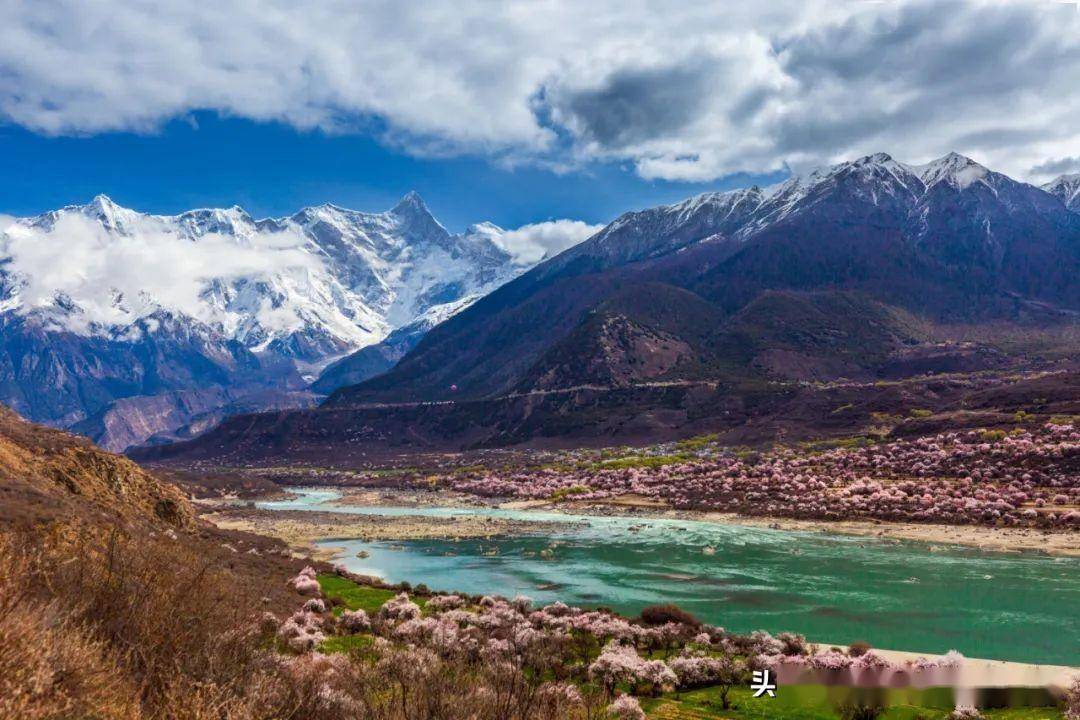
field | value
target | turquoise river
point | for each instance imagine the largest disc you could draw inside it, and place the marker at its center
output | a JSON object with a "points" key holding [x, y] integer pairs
{"points": [[831, 588]]}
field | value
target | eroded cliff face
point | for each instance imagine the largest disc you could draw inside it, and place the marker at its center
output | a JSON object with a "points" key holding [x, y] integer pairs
{"points": [[47, 474]]}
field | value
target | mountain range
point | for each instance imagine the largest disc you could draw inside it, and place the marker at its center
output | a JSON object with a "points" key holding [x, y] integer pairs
{"points": [[128, 327], [135, 328], [950, 241], [858, 272]]}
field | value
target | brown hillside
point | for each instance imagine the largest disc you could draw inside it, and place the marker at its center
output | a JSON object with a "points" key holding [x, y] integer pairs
{"points": [[47, 474]]}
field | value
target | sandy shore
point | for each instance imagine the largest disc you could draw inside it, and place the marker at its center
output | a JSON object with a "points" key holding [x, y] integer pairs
{"points": [[301, 529], [374, 497]]}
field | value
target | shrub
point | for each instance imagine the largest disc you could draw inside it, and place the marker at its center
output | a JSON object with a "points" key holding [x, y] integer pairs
{"points": [[859, 648], [1072, 700], [625, 707], [138, 627], [862, 704], [668, 613], [792, 644], [400, 607], [315, 605], [354, 622], [51, 667]]}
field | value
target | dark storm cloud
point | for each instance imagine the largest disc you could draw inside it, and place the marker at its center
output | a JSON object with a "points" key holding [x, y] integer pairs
{"points": [[927, 46], [1060, 166], [634, 105], [956, 72]]}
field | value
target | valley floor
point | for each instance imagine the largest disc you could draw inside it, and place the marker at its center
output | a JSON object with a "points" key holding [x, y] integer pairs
{"points": [[331, 523]]}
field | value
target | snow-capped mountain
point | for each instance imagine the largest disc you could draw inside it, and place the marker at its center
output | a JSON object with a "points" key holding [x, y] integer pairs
{"points": [[848, 272], [950, 241], [308, 286], [1066, 187], [99, 302], [867, 191]]}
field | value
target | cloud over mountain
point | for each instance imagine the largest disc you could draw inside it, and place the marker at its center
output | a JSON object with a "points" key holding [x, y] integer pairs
{"points": [[116, 277], [531, 243], [692, 91]]}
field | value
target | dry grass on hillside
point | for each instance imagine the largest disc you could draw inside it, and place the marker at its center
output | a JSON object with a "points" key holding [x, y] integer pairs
{"points": [[102, 625], [47, 473]]}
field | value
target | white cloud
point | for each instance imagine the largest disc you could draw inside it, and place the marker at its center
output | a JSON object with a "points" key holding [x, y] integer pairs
{"points": [[116, 279], [686, 91], [529, 244]]}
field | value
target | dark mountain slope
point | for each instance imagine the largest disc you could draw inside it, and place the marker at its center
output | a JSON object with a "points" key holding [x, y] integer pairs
{"points": [[58, 375], [951, 241], [643, 332], [367, 362], [504, 335], [816, 336]]}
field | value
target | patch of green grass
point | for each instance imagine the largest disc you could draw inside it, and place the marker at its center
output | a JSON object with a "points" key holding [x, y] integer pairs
{"points": [[698, 442], [347, 643], [804, 702], [847, 442], [356, 597], [641, 461], [920, 413], [566, 491], [359, 597], [704, 704]]}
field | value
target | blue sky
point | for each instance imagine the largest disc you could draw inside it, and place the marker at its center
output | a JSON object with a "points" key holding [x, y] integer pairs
{"points": [[272, 169]]}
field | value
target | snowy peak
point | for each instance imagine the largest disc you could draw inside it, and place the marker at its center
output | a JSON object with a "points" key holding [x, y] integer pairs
{"points": [[410, 203], [1067, 189], [310, 286], [953, 169], [101, 204], [484, 229], [873, 177], [107, 212], [957, 170], [226, 221]]}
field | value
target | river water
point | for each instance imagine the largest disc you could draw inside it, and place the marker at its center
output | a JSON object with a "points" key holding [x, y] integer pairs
{"points": [[834, 588]]}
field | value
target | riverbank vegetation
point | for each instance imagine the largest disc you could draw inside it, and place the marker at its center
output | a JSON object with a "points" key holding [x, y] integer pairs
{"points": [[577, 663], [1028, 477], [118, 603], [114, 624]]}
